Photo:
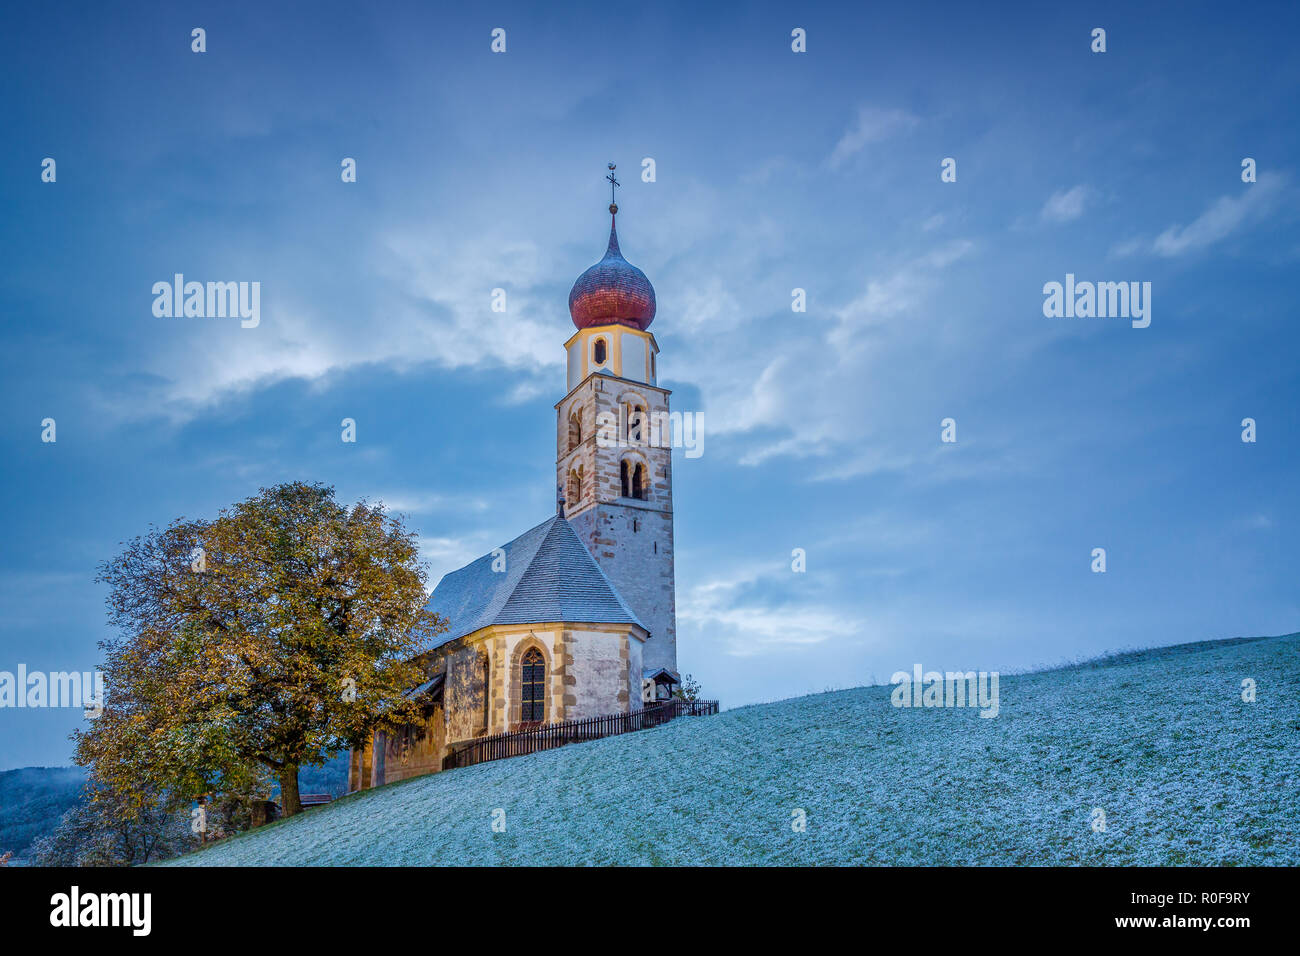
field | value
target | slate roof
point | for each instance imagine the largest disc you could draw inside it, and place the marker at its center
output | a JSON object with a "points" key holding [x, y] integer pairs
{"points": [[549, 576]]}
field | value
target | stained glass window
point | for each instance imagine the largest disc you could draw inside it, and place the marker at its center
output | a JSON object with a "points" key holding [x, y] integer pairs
{"points": [[533, 696]]}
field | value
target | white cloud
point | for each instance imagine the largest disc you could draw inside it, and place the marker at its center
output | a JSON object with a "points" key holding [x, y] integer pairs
{"points": [[872, 126], [444, 554], [431, 302], [721, 607], [1225, 216], [427, 293], [901, 292], [1065, 205], [709, 302], [1127, 247], [797, 388], [426, 502]]}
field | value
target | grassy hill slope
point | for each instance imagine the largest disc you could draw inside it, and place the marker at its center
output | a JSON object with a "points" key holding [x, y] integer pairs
{"points": [[1186, 772]]}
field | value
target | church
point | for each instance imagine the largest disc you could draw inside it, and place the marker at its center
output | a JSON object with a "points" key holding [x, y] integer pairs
{"points": [[576, 617]]}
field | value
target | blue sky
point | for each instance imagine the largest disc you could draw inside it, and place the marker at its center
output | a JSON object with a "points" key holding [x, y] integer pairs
{"points": [[775, 170]]}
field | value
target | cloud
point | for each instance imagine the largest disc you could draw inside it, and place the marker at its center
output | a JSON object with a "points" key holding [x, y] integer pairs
{"points": [[1225, 216], [425, 502], [898, 293], [1128, 247], [708, 302], [804, 399], [428, 299], [421, 294], [1065, 205], [444, 554], [741, 611], [872, 126]]}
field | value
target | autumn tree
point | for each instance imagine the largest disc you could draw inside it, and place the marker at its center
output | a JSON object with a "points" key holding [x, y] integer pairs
{"points": [[276, 635], [104, 832]]}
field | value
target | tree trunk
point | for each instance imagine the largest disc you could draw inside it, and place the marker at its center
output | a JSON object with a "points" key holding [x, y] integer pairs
{"points": [[289, 802]]}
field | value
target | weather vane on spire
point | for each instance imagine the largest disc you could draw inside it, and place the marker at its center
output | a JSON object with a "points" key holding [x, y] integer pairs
{"points": [[613, 184]]}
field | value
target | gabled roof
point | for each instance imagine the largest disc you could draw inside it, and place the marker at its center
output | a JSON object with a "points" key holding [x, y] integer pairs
{"points": [[549, 576], [433, 688]]}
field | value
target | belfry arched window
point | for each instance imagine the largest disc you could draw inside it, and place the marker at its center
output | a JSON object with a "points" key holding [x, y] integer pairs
{"points": [[575, 429], [624, 479], [575, 487], [532, 688], [638, 482], [637, 424]]}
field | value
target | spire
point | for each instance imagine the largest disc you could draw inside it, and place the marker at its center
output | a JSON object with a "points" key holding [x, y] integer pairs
{"points": [[613, 214], [613, 249], [613, 290]]}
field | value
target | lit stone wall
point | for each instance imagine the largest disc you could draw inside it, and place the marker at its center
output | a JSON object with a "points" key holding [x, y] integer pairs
{"points": [[416, 749], [597, 663], [465, 693], [592, 670]]}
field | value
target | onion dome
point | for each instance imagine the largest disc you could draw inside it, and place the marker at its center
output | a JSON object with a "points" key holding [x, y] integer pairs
{"points": [[612, 291]]}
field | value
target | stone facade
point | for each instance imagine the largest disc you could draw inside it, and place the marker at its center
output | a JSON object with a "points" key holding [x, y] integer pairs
{"points": [[466, 684], [591, 670], [411, 751]]}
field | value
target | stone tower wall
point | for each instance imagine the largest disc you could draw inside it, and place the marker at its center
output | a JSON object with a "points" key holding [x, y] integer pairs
{"points": [[632, 540]]}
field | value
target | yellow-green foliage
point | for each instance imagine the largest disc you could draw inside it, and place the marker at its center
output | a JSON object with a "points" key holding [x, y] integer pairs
{"points": [[279, 633]]}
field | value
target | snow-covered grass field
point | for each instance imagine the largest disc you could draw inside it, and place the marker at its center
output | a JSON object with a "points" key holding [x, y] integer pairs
{"points": [[1185, 772]]}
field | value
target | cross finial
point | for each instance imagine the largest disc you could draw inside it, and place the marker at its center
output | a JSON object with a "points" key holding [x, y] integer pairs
{"points": [[613, 184]]}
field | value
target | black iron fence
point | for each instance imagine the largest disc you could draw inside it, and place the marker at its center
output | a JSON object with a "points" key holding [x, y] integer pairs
{"points": [[520, 742]]}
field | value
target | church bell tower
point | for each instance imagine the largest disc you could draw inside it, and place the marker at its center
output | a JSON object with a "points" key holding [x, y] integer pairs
{"points": [[614, 457]]}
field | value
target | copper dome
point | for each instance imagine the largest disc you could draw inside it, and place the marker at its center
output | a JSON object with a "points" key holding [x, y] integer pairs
{"points": [[612, 291]]}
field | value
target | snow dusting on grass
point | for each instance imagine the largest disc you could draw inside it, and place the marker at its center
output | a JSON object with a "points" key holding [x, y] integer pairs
{"points": [[1185, 771]]}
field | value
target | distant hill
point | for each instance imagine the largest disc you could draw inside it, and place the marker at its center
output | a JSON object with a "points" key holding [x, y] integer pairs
{"points": [[1161, 741], [330, 777], [32, 800]]}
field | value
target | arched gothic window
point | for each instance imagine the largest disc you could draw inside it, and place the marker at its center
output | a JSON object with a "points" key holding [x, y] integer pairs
{"points": [[532, 688]]}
